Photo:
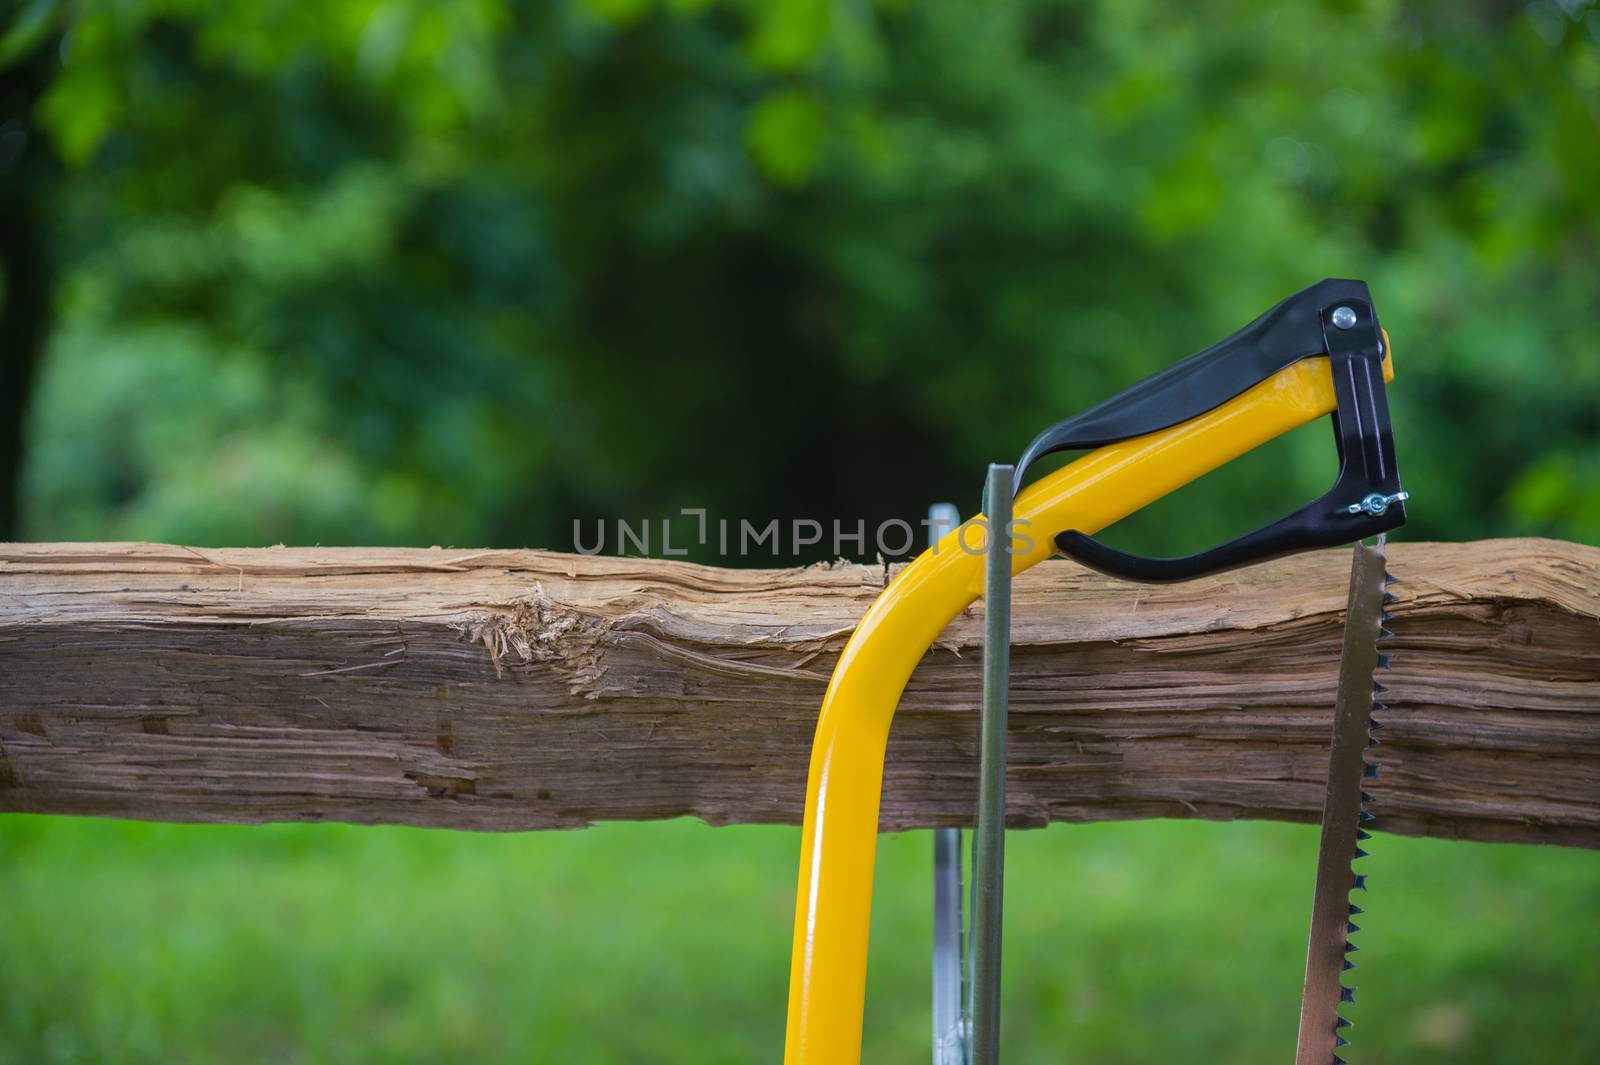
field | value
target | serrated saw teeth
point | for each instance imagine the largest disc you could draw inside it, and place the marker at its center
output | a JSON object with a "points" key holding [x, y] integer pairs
{"points": [[1346, 814]]}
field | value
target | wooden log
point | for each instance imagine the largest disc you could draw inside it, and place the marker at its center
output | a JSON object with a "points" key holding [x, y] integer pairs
{"points": [[527, 689]]}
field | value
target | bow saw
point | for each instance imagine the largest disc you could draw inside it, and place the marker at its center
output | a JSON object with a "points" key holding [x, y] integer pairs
{"points": [[1319, 352]]}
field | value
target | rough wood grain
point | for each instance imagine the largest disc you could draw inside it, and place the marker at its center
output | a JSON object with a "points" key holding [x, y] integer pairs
{"points": [[525, 689]]}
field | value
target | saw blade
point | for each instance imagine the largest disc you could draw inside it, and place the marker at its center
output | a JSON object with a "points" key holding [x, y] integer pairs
{"points": [[1345, 813]]}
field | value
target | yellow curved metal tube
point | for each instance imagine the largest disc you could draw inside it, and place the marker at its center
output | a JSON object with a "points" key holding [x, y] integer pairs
{"points": [[828, 967]]}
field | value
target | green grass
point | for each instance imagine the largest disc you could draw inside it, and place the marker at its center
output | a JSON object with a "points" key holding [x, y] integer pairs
{"points": [[126, 942]]}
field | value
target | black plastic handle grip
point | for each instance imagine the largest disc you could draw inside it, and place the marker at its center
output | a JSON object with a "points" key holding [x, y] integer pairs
{"points": [[1309, 527], [1333, 318]]}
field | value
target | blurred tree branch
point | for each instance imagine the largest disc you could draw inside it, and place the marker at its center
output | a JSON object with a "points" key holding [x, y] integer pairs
{"points": [[30, 178]]}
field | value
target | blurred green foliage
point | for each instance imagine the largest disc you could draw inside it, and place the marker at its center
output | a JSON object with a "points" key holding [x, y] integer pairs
{"points": [[401, 272], [668, 943]]}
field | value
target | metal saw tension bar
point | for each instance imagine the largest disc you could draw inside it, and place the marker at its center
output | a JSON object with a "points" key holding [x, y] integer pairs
{"points": [[1319, 352]]}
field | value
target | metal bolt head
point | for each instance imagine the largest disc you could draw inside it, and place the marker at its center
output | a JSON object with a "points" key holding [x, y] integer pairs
{"points": [[1377, 503], [1343, 317]]}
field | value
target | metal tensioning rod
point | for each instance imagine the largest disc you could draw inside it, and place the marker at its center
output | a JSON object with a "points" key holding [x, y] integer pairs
{"points": [[950, 1020], [989, 843]]}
